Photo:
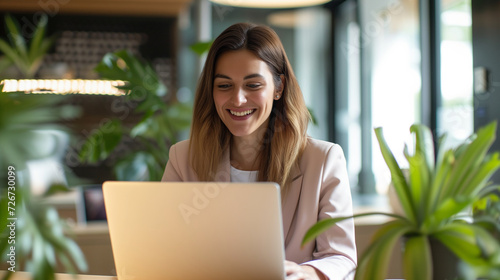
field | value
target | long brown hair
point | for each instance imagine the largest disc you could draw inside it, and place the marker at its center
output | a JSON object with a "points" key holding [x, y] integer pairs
{"points": [[286, 136]]}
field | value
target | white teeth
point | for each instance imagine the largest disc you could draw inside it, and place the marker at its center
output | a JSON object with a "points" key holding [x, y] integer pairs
{"points": [[241, 114]]}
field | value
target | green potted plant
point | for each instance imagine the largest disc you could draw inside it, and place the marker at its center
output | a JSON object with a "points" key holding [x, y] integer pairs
{"points": [[32, 236], [25, 57], [436, 198], [158, 127]]}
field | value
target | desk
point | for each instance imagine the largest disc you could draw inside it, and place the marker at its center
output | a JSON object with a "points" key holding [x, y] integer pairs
{"points": [[20, 275], [93, 239]]}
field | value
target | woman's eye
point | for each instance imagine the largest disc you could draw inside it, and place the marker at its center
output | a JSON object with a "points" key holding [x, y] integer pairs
{"points": [[223, 86], [254, 86]]}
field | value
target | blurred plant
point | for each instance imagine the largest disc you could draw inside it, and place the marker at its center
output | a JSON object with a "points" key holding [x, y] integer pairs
{"points": [[152, 135], [486, 210], [21, 116], [40, 236], [200, 48], [434, 198], [26, 59]]}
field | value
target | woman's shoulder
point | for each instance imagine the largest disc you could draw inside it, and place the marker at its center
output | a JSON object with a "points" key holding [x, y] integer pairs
{"points": [[316, 145], [181, 147], [320, 150]]}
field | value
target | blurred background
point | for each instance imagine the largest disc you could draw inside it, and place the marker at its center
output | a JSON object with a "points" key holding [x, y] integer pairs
{"points": [[361, 64]]}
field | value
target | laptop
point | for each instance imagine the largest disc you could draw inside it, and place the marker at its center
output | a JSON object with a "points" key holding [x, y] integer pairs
{"points": [[190, 231]]}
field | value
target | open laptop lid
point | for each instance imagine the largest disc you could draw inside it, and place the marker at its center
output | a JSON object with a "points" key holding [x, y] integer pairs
{"points": [[181, 230]]}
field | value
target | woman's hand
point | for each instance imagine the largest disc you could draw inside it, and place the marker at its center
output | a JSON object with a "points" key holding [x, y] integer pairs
{"points": [[302, 272]]}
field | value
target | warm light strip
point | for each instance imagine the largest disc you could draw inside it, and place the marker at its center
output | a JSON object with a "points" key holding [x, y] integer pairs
{"points": [[99, 87], [270, 3]]}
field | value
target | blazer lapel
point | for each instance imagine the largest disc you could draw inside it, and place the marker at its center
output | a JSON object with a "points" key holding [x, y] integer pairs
{"points": [[290, 203]]}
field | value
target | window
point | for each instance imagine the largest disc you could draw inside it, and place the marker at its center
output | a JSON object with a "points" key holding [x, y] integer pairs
{"points": [[393, 30], [395, 56], [455, 116]]}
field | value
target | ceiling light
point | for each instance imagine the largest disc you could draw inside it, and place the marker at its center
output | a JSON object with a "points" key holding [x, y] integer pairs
{"points": [[99, 87], [270, 3]]}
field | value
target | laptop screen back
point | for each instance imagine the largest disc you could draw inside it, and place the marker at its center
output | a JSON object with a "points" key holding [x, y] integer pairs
{"points": [[163, 230]]}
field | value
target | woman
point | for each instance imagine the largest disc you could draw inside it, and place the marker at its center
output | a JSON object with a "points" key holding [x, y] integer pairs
{"points": [[249, 124]]}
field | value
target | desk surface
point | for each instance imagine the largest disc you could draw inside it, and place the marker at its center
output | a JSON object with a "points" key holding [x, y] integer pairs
{"points": [[20, 275]]}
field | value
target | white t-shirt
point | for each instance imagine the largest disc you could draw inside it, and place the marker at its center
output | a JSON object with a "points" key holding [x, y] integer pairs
{"points": [[242, 176]]}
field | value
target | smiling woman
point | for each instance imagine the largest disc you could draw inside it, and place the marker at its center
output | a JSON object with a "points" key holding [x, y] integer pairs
{"points": [[249, 124], [244, 97], [241, 52]]}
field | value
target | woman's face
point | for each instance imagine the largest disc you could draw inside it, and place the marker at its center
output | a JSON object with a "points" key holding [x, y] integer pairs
{"points": [[243, 92]]}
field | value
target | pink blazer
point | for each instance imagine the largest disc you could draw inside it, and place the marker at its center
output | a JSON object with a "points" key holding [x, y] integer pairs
{"points": [[320, 189]]}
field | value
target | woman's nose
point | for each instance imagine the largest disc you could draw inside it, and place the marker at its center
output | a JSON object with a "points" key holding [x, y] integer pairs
{"points": [[239, 97]]}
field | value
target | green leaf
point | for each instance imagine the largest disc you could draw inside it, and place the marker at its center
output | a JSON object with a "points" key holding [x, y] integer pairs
{"points": [[480, 177], [424, 144], [131, 63], [201, 47], [417, 258], [441, 177], [26, 122], [54, 235], [446, 211], [486, 191], [38, 257], [472, 156], [142, 81], [66, 262], [39, 44], [419, 177], [398, 178], [325, 224], [151, 103], [15, 36], [9, 52], [101, 143], [38, 37], [50, 255], [56, 188], [5, 63], [314, 120], [489, 246], [460, 239], [421, 166], [373, 264], [109, 69], [76, 254], [399, 222]]}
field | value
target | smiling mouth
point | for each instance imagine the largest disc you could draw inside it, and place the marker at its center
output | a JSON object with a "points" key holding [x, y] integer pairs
{"points": [[242, 113]]}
